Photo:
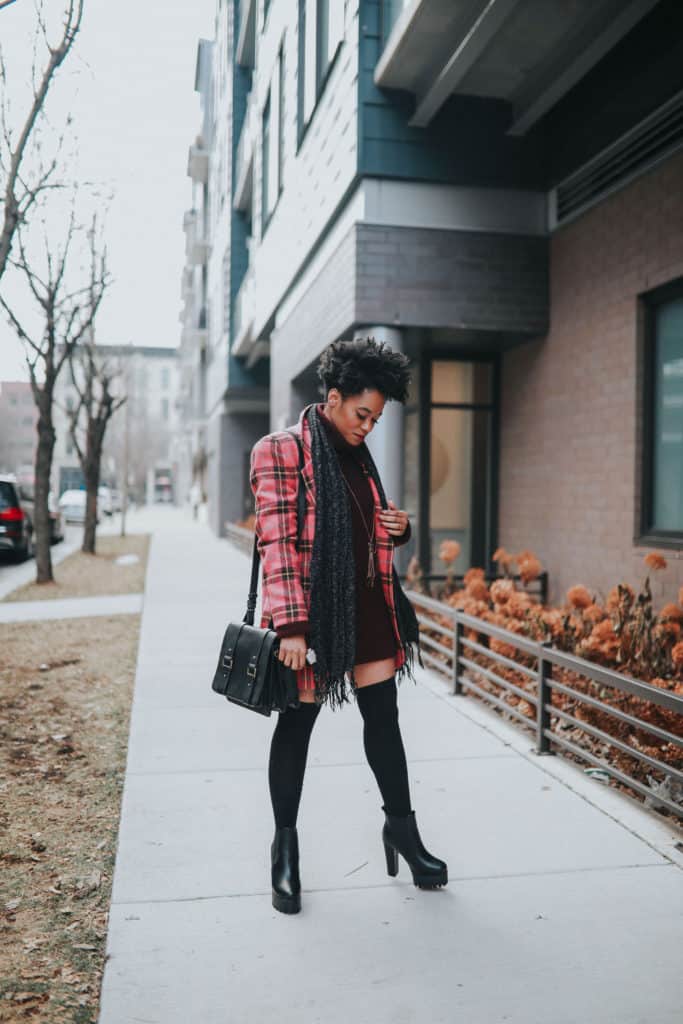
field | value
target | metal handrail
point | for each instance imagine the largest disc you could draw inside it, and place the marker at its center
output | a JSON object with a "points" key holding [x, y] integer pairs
{"points": [[460, 668], [541, 591]]}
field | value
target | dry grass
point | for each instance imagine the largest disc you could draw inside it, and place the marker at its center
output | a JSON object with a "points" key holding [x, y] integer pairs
{"points": [[81, 575], [65, 696]]}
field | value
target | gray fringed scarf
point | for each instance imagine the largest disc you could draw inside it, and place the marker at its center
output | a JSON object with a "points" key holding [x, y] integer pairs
{"points": [[332, 612]]}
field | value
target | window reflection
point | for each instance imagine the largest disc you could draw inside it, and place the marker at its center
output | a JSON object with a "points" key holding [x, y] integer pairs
{"points": [[667, 504]]}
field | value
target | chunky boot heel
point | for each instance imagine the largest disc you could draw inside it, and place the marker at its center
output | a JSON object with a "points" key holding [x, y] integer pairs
{"points": [[392, 860], [401, 835], [284, 859]]}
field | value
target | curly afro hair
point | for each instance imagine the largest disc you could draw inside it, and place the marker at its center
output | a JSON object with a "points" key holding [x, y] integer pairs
{"points": [[353, 366]]}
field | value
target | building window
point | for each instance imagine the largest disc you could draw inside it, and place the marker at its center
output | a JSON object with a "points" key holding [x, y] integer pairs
{"points": [[280, 116], [265, 162], [164, 409], [663, 420], [164, 378], [272, 139], [321, 31]]}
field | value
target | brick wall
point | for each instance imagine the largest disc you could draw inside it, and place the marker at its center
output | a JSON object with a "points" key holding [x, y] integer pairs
{"points": [[570, 401]]}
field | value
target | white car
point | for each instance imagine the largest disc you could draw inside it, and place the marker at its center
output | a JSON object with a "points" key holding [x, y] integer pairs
{"points": [[72, 506], [105, 500]]}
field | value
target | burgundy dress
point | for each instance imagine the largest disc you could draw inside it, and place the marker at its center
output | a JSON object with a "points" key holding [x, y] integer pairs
{"points": [[375, 639]]}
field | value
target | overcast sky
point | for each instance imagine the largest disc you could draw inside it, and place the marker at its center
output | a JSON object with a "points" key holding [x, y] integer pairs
{"points": [[129, 84]]}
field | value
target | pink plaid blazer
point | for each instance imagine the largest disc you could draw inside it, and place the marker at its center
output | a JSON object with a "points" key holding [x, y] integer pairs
{"points": [[286, 572]]}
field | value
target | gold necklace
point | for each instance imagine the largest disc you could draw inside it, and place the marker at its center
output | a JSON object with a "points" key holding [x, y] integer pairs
{"points": [[371, 574]]}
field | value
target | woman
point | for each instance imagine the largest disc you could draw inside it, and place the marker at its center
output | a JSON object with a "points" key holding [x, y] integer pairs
{"points": [[334, 599]]}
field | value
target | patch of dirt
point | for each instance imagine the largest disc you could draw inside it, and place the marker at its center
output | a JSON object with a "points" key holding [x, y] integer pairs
{"points": [[65, 696], [81, 575]]}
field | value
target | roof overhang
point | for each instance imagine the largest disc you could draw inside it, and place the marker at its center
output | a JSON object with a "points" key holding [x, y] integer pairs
{"points": [[528, 53]]}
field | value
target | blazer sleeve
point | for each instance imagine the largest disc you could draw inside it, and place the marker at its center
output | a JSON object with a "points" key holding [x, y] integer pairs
{"points": [[274, 478]]}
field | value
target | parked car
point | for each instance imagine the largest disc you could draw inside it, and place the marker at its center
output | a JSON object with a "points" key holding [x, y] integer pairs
{"points": [[105, 500], [72, 506], [27, 496], [56, 521], [16, 525]]}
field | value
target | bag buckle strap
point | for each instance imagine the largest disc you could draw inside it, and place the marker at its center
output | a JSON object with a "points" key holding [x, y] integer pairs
{"points": [[227, 660], [251, 669]]}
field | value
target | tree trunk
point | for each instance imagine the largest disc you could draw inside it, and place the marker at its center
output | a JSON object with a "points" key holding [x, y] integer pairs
{"points": [[90, 527], [43, 468], [91, 472]]}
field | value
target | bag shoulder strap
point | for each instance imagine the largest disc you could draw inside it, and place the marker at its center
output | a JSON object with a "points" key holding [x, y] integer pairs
{"points": [[300, 515]]}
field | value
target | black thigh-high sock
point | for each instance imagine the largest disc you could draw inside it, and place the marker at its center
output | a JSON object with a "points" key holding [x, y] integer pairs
{"points": [[287, 763], [384, 745]]}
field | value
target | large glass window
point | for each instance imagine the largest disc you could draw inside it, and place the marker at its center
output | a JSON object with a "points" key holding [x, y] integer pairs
{"points": [[272, 135], [666, 418], [321, 30]]}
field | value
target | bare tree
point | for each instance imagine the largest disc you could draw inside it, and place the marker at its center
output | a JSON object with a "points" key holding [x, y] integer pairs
{"points": [[67, 315], [20, 193], [93, 378]]}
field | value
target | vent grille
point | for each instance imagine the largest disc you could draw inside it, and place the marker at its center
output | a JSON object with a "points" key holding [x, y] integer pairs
{"points": [[650, 141]]}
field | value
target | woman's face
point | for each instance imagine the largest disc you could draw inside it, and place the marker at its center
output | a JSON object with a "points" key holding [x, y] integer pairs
{"points": [[355, 416]]}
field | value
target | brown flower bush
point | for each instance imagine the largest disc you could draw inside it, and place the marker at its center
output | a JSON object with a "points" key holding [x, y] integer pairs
{"points": [[449, 551], [677, 656], [579, 597], [529, 568], [501, 591], [624, 633], [503, 559]]}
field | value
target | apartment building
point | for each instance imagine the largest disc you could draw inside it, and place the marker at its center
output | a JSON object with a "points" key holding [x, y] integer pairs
{"points": [[18, 421], [497, 190]]}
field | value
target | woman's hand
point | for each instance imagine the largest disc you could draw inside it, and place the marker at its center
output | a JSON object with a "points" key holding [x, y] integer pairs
{"points": [[394, 520], [292, 652]]}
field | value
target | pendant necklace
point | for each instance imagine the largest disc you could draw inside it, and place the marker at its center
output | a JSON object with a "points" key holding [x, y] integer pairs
{"points": [[371, 574]]}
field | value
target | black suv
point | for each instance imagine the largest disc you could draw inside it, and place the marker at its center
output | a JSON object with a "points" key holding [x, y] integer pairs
{"points": [[16, 525]]}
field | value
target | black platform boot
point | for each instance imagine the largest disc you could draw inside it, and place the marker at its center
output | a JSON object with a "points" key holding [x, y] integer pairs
{"points": [[284, 859], [400, 835]]}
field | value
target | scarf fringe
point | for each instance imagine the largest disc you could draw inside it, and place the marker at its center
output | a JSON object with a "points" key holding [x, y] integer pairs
{"points": [[334, 691], [332, 609]]}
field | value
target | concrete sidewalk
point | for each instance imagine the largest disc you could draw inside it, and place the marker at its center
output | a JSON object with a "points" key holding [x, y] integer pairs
{"points": [[564, 903], [71, 607]]}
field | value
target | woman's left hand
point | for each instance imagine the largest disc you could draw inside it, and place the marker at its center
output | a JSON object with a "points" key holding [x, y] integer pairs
{"points": [[394, 520]]}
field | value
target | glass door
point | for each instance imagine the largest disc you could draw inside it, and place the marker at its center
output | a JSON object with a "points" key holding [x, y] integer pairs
{"points": [[461, 427]]}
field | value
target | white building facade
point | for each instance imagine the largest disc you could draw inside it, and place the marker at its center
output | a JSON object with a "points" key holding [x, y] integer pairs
{"points": [[414, 170], [149, 376]]}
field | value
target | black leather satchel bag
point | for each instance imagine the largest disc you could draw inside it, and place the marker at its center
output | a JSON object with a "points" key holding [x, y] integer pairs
{"points": [[249, 671]]}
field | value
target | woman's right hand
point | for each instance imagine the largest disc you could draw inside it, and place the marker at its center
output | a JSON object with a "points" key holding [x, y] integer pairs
{"points": [[292, 651]]}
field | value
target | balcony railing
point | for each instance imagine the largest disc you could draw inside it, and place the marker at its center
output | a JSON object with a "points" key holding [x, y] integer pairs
{"points": [[453, 655]]}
